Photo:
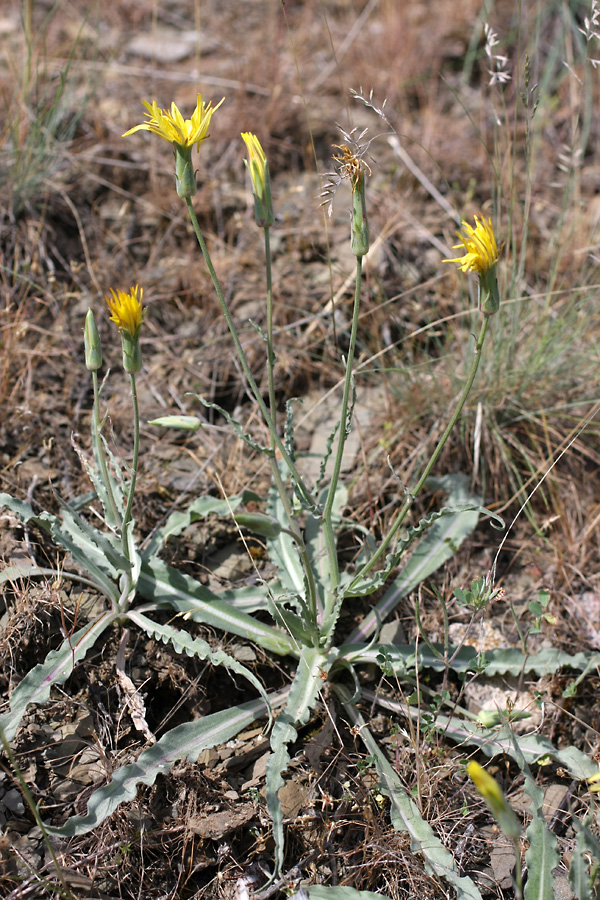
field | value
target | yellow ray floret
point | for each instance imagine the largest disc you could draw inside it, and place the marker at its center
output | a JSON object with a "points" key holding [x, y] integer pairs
{"points": [[172, 127], [480, 244], [126, 310]]}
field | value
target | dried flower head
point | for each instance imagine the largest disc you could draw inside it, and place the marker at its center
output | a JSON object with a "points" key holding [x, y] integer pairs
{"points": [[352, 165], [126, 310], [172, 127]]}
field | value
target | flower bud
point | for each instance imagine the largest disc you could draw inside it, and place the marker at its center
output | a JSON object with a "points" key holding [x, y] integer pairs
{"points": [[359, 228], [491, 792], [258, 167], [266, 526], [91, 340], [132, 353], [185, 423]]}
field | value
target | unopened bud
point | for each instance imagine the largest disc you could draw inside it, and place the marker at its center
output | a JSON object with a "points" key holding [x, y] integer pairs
{"points": [[91, 340], [359, 228], [266, 526]]}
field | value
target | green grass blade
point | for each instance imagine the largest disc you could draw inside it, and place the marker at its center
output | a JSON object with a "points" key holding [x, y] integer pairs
{"points": [[56, 668]]}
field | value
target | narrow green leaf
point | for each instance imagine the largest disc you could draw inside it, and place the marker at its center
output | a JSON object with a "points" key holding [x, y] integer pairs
{"points": [[402, 658], [180, 520], [186, 741], [541, 856], [325, 892], [585, 883], [302, 697], [163, 584], [440, 542], [498, 741], [56, 668], [405, 815], [185, 643], [283, 551]]}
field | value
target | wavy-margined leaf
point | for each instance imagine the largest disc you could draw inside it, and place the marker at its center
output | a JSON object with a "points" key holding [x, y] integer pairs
{"points": [[161, 584], [56, 668], [403, 658], [180, 520], [341, 892], [405, 815], [94, 552], [541, 856], [586, 856], [456, 521], [186, 741], [312, 665], [498, 741], [185, 643]]}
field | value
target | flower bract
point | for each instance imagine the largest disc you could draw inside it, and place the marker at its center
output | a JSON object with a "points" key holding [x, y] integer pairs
{"points": [[171, 126], [480, 244], [126, 310]]}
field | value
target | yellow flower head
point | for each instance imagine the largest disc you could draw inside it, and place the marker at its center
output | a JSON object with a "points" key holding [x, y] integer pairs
{"points": [[491, 792], [594, 782], [261, 180], [257, 163], [480, 244], [172, 127], [126, 310]]}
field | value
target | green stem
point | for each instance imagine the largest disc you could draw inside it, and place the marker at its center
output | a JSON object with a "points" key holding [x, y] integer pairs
{"points": [[270, 350], [295, 532], [134, 464], [244, 362], [383, 547], [100, 456], [328, 531]]}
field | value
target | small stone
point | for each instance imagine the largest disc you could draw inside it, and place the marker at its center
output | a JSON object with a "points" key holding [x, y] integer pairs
{"points": [[13, 800]]}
